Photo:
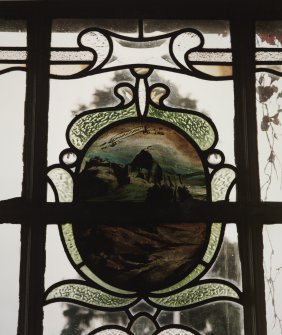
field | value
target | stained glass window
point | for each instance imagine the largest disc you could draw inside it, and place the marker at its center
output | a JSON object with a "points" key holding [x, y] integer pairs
{"points": [[140, 169], [129, 141]]}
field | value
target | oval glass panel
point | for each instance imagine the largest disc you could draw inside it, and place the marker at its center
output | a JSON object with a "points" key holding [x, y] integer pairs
{"points": [[141, 161]]}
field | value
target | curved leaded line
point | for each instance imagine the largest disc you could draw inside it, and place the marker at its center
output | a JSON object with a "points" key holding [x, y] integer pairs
{"points": [[216, 229], [183, 43], [71, 247], [213, 242], [109, 331], [142, 101], [196, 295], [167, 330], [63, 182], [195, 126], [143, 320], [69, 240], [191, 276], [88, 125], [191, 124], [81, 293], [146, 315], [171, 54], [220, 183], [100, 282], [215, 159], [175, 330], [98, 40], [221, 180], [5, 68], [65, 162], [272, 69]]}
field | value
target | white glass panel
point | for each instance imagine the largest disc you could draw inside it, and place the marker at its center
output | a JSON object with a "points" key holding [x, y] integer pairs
{"points": [[9, 282], [12, 97], [273, 277]]}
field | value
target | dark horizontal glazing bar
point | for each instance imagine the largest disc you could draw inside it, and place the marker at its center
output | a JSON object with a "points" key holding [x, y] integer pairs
{"points": [[218, 9], [17, 210]]}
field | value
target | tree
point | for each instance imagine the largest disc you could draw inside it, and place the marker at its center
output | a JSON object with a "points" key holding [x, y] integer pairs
{"points": [[105, 97]]}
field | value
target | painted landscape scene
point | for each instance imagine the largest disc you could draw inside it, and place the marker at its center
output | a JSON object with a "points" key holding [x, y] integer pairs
{"points": [[143, 258], [141, 162]]}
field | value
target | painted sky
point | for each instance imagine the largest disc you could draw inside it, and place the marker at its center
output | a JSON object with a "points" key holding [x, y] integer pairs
{"points": [[170, 149]]}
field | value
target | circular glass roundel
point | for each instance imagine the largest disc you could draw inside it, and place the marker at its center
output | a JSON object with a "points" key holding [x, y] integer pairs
{"points": [[141, 162]]}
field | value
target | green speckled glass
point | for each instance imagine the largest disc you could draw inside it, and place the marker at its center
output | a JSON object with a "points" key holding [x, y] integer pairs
{"points": [[197, 294], [87, 126], [195, 126], [88, 295]]}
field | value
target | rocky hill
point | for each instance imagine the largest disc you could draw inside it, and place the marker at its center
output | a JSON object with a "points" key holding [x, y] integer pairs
{"points": [[142, 179]]}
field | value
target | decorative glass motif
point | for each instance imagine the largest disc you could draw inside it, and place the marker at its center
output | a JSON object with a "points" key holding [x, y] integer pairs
{"points": [[197, 294], [83, 130], [142, 151], [194, 125], [87, 296]]}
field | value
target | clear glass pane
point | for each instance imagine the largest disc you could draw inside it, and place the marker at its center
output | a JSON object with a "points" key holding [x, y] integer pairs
{"points": [[269, 94], [65, 318], [228, 264], [65, 31], [221, 318], [9, 282], [216, 33], [269, 89], [272, 253], [268, 34], [12, 33], [60, 269], [12, 97]]}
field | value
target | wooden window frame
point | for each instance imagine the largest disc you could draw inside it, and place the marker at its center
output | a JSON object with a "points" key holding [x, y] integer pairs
{"points": [[34, 213]]}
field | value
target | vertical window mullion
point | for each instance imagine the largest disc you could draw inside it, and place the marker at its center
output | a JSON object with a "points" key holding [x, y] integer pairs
{"points": [[248, 190], [34, 182]]}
